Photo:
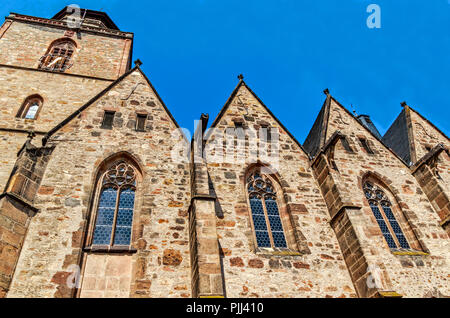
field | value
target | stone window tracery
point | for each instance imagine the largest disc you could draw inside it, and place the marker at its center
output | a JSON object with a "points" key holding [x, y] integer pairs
{"points": [[383, 212], [114, 217], [265, 212]]}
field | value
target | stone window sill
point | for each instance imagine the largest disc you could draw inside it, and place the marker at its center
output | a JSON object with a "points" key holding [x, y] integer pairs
{"points": [[389, 294], [410, 252], [109, 249], [277, 252], [445, 222]]}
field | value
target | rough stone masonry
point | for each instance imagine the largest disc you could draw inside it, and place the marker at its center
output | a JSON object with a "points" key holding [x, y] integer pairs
{"points": [[241, 210]]}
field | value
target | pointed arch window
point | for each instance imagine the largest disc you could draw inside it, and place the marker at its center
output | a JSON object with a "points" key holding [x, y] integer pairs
{"points": [[114, 217], [265, 212], [59, 55], [382, 210], [31, 107]]}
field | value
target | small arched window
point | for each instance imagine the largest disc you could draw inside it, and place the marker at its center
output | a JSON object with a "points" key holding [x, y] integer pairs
{"points": [[58, 56], [382, 210], [31, 107], [265, 213], [114, 216]]}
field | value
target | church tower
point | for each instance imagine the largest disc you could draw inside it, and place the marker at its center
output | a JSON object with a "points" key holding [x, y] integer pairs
{"points": [[48, 69]]}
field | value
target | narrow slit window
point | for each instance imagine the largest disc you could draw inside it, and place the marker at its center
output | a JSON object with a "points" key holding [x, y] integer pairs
{"points": [[346, 145], [239, 131], [140, 122], [31, 107], [366, 146], [108, 119], [266, 134]]}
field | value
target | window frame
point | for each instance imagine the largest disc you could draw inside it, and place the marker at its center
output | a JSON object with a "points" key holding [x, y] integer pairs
{"points": [[288, 230], [109, 112], [143, 117], [346, 145], [98, 190], [48, 57], [364, 142], [395, 210], [266, 135], [27, 104]]}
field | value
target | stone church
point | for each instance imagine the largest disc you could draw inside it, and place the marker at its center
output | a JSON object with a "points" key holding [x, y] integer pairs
{"points": [[103, 195]]}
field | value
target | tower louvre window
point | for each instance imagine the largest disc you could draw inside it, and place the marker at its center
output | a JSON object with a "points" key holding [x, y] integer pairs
{"points": [[58, 57]]}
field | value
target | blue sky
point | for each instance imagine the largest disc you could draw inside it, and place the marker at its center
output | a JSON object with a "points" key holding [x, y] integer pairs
{"points": [[288, 51]]}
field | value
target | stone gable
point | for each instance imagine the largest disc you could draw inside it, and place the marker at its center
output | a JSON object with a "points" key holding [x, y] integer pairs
{"points": [[197, 205]]}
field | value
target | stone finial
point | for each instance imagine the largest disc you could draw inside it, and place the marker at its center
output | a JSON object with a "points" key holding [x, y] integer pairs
{"points": [[403, 104], [326, 91], [138, 62], [241, 77]]}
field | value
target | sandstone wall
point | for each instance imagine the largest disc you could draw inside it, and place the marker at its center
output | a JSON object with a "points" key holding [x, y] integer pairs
{"points": [[160, 267], [62, 96], [425, 135], [24, 43], [315, 267], [409, 275], [10, 143]]}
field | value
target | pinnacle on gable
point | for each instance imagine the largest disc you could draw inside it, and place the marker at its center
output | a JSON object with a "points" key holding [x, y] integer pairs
{"points": [[241, 77], [403, 104], [138, 62], [326, 91]]}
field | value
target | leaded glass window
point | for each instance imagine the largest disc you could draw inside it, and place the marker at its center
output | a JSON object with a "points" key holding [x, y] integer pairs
{"points": [[30, 108], [382, 210], [32, 111], [265, 213], [114, 219]]}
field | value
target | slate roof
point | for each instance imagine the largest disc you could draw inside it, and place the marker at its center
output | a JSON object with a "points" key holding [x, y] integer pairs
{"points": [[91, 14], [397, 137]]}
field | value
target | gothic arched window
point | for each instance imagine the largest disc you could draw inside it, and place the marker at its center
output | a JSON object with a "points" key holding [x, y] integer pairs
{"points": [[114, 217], [265, 213], [382, 210], [31, 107], [58, 56]]}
